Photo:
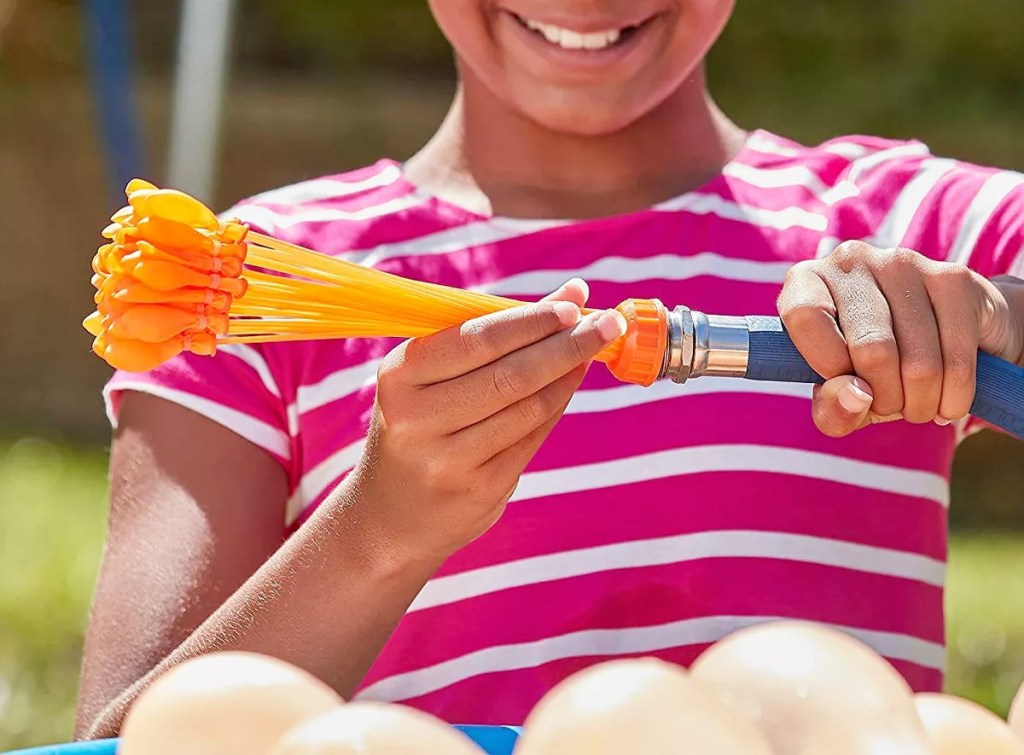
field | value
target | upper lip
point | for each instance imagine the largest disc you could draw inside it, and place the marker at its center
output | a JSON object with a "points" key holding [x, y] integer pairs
{"points": [[584, 25]]}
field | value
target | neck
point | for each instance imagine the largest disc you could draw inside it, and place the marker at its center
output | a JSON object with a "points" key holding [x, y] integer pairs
{"points": [[494, 160]]}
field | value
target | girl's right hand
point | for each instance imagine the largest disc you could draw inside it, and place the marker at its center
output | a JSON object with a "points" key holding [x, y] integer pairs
{"points": [[459, 414]]}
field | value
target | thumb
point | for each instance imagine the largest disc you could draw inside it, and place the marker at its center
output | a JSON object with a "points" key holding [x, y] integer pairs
{"points": [[842, 405]]}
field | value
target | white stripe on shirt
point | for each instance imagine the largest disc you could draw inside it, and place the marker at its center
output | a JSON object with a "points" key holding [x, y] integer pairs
{"points": [[679, 549], [618, 642]]}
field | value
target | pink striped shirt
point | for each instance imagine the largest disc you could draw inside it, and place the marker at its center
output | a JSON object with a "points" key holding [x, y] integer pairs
{"points": [[713, 505]]}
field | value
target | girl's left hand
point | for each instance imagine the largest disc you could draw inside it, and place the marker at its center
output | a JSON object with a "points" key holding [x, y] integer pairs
{"points": [[909, 328]]}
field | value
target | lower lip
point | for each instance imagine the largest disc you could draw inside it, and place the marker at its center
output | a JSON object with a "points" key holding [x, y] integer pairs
{"points": [[582, 61]]}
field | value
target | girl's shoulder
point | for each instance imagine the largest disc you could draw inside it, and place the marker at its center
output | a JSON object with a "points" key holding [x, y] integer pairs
{"points": [[868, 161], [338, 189], [894, 192], [338, 213]]}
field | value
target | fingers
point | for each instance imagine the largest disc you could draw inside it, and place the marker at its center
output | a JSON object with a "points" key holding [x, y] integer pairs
{"points": [[866, 322], [841, 405], [460, 350], [917, 340], [958, 329], [574, 290], [522, 373], [504, 430], [809, 314], [510, 462]]}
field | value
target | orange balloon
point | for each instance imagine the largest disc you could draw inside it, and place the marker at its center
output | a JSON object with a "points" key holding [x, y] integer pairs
{"points": [[229, 267], [960, 727], [94, 323], [138, 184], [135, 356], [162, 275], [173, 205], [155, 323], [176, 237], [138, 356], [127, 289]]}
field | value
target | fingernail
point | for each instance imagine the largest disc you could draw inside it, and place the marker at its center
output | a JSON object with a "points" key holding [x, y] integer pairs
{"points": [[611, 325], [566, 312], [942, 421], [581, 285], [853, 398]]}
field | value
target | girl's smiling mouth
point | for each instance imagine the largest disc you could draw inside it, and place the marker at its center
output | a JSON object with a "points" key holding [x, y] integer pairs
{"points": [[575, 46], [570, 39]]}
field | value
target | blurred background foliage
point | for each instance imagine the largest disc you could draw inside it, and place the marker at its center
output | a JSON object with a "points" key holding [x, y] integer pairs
{"points": [[321, 86]]}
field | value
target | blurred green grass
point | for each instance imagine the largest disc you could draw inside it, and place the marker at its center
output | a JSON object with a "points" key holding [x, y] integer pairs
{"points": [[52, 519]]}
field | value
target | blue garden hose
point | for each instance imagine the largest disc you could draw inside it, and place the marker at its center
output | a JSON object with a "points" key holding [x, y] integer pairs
{"points": [[759, 348]]}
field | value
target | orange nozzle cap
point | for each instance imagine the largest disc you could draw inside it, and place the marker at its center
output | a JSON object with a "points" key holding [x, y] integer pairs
{"points": [[643, 347]]}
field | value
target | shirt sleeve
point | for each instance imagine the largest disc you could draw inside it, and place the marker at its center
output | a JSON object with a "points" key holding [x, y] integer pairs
{"points": [[234, 388], [996, 241]]}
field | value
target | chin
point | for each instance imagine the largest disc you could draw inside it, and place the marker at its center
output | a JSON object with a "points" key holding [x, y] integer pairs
{"points": [[581, 115]]}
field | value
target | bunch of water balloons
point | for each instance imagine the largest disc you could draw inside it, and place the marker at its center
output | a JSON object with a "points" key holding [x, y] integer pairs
{"points": [[782, 688]]}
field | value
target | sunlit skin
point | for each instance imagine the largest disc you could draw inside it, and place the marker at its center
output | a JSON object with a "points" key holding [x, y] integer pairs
{"points": [[534, 131]]}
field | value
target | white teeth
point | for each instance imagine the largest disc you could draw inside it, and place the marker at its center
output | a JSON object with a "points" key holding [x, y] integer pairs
{"points": [[551, 34], [571, 40], [574, 40]]}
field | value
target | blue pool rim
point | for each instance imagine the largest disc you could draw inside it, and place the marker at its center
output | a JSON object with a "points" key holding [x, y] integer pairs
{"points": [[493, 740]]}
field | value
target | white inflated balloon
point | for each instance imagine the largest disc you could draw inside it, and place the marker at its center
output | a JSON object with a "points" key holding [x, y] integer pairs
{"points": [[959, 727], [223, 704], [367, 728], [639, 707], [791, 677], [867, 736]]}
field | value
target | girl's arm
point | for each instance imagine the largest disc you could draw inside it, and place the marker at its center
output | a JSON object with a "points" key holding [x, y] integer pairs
{"points": [[192, 575], [196, 510]]}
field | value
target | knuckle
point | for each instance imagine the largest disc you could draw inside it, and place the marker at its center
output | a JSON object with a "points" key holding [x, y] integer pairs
{"points": [[851, 253], [402, 434], [803, 315], [826, 420], [475, 337], [874, 352], [507, 383], [577, 348], [439, 474], [922, 368], [897, 258], [533, 410], [952, 274], [389, 371], [799, 271]]}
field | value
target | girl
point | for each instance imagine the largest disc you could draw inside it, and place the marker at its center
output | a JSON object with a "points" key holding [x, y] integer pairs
{"points": [[458, 523]]}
